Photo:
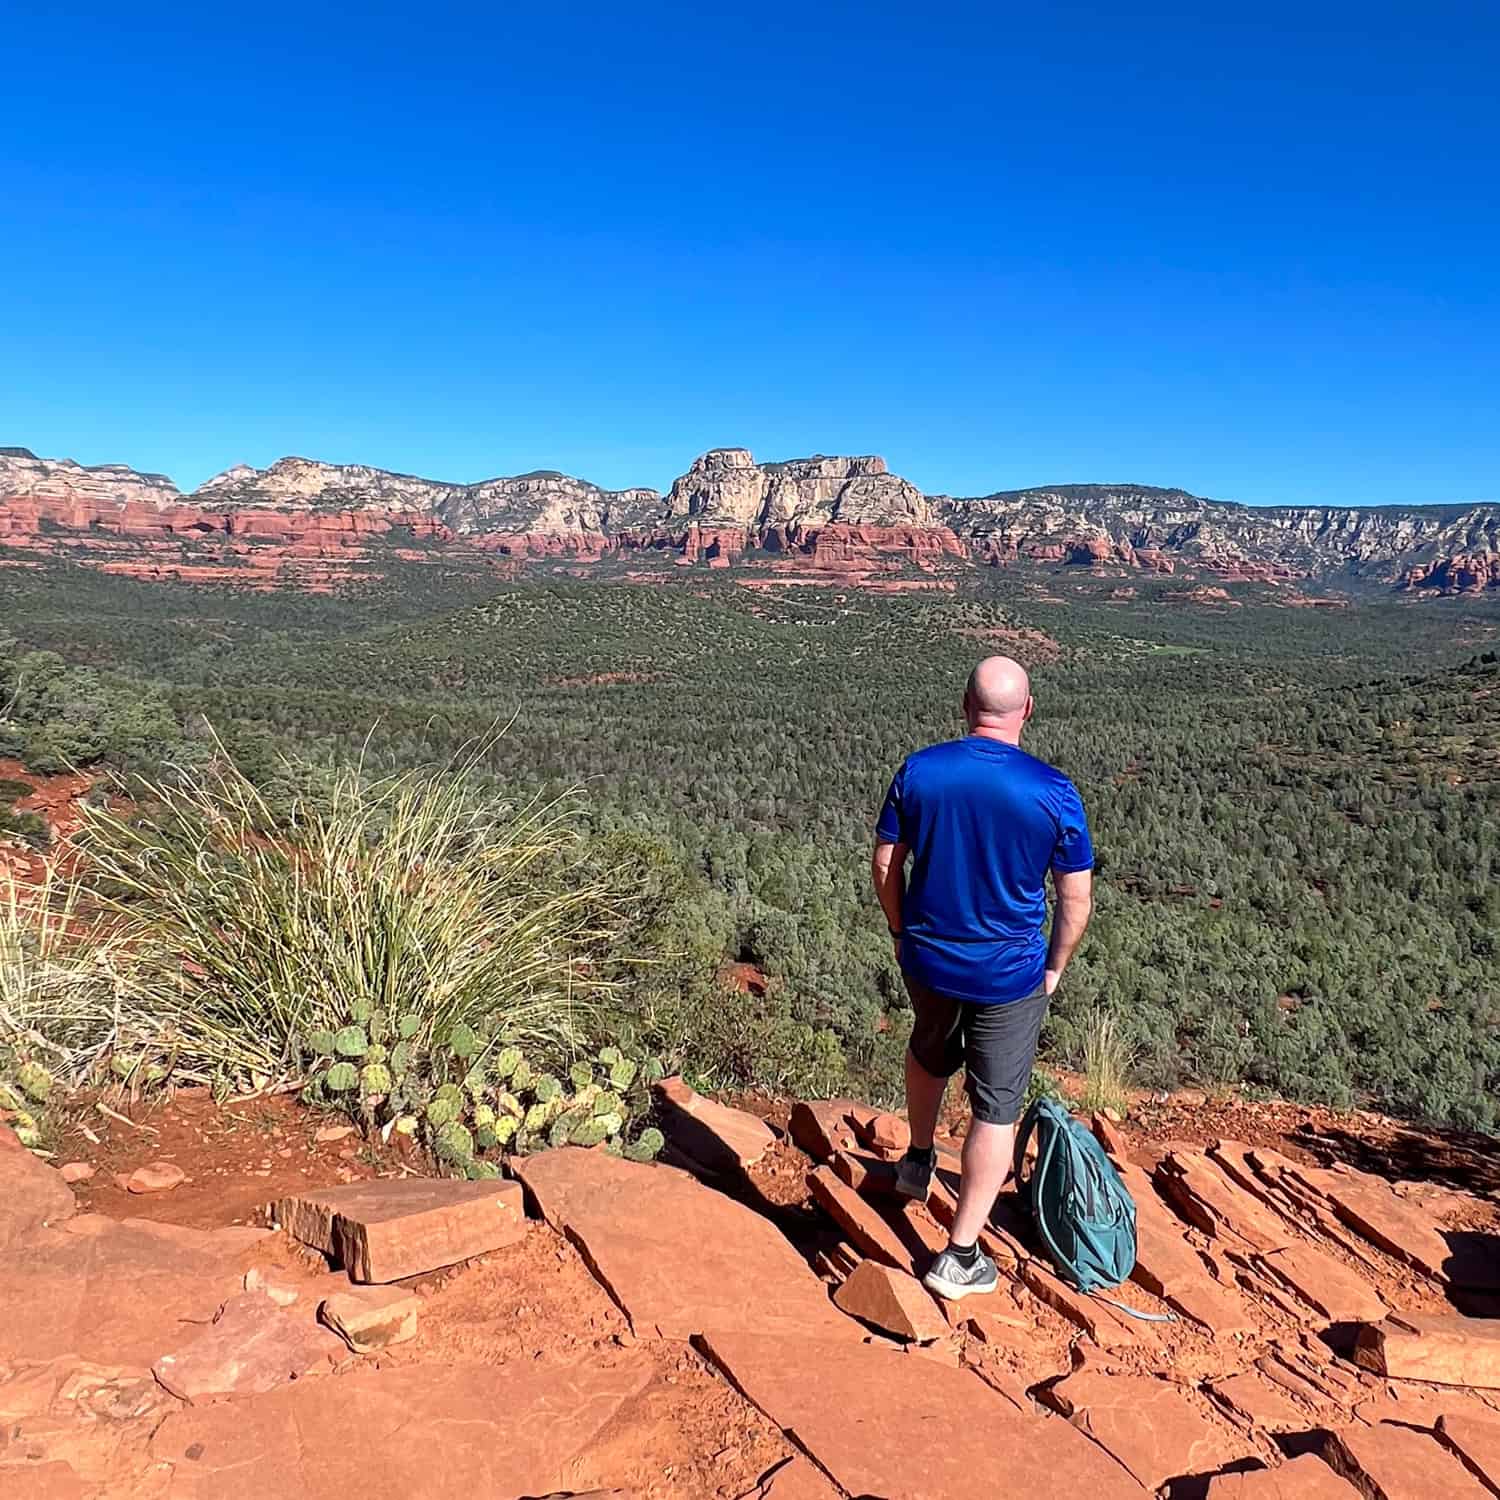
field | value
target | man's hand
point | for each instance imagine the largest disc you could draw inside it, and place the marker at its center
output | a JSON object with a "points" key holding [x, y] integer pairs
{"points": [[1074, 891]]}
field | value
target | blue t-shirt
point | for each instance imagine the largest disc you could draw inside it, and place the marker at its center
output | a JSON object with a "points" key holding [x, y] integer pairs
{"points": [[984, 822]]}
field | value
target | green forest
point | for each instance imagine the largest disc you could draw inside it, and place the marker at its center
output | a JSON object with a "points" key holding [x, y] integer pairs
{"points": [[1294, 809]]}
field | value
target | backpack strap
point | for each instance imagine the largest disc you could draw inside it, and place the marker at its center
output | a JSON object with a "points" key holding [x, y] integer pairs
{"points": [[1135, 1312], [1023, 1140]]}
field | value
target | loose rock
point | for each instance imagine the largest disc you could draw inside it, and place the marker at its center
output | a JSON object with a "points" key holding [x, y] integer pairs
{"points": [[891, 1300], [159, 1177], [369, 1318], [76, 1171]]}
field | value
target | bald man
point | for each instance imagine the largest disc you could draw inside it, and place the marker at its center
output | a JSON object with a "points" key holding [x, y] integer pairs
{"points": [[983, 823]]}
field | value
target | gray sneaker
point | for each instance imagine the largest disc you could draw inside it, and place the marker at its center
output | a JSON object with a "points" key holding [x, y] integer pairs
{"points": [[914, 1178], [949, 1277]]}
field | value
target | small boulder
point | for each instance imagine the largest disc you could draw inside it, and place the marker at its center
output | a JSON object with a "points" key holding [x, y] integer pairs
{"points": [[372, 1317], [888, 1134], [891, 1300], [1109, 1135], [158, 1177], [330, 1133], [76, 1171]]}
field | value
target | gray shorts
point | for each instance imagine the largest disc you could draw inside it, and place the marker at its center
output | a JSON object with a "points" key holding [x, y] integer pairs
{"points": [[994, 1044]]}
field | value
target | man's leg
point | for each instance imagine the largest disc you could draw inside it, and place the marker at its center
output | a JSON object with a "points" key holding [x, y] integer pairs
{"points": [[988, 1150], [999, 1047], [924, 1101], [932, 1058]]}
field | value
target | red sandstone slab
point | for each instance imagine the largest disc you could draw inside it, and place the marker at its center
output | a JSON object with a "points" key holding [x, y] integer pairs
{"points": [[252, 1346], [1304, 1478], [718, 1137], [1150, 1426], [1206, 1197], [1446, 1350], [1476, 1443], [1342, 1295], [42, 1481], [1168, 1267], [121, 1291], [391, 1228], [394, 1434], [1260, 1403], [1399, 1463], [32, 1194], [861, 1221], [882, 1423], [1108, 1328], [868, 1175], [678, 1257], [1367, 1204]]}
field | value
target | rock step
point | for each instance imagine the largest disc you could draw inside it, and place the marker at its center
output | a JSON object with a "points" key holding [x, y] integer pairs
{"points": [[854, 1407], [678, 1258], [461, 1430], [1151, 1427], [392, 1228], [1402, 1463], [1447, 1350], [1304, 1478]]}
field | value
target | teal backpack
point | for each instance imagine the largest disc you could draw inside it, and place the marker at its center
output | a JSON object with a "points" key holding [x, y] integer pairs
{"points": [[1084, 1215]]}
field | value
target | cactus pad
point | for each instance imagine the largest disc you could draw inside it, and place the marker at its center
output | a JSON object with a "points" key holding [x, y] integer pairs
{"points": [[374, 1078], [351, 1042], [507, 1060], [646, 1146], [581, 1075], [322, 1042], [462, 1042], [342, 1077], [622, 1074], [408, 1027]]}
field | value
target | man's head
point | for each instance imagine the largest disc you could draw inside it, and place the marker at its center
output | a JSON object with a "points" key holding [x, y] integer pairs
{"points": [[998, 698]]}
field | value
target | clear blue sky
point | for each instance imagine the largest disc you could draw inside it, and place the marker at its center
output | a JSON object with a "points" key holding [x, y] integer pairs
{"points": [[1250, 250]]}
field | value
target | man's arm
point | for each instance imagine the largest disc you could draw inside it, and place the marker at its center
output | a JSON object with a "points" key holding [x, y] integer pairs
{"points": [[888, 872], [1073, 905]]}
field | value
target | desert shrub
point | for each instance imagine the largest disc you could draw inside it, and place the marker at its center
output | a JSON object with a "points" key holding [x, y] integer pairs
{"points": [[63, 1018], [1107, 1061], [386, 940]]}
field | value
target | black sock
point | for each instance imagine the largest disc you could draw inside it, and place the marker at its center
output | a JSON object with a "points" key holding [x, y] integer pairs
{"points": [[966, 1255], [923, 1158]]}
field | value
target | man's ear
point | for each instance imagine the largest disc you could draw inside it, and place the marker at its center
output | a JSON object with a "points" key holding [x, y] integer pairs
{"points": [[1029, 709]]}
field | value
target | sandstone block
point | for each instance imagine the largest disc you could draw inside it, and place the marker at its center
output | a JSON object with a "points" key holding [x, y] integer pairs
{"points": [[31, 1194], [712, 1134], [372, 1317], [891, 1300], [76, 1171], [679, 1258], [861, 1221], [822, 1126], [1446, 1350], [887, 1133], [1400, 1463], [390, 1229], [1476, 1441], [840, 1400]]}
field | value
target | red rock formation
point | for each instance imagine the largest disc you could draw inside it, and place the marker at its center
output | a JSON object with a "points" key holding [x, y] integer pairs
{"points": [[1467, 573]]}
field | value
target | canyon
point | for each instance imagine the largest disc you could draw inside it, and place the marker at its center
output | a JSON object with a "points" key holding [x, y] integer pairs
{"points": [[850, 520]]}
